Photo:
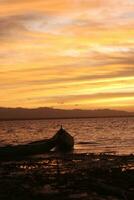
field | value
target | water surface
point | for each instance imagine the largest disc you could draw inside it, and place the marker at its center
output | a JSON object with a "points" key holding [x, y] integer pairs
{"points": [[113, 135]]}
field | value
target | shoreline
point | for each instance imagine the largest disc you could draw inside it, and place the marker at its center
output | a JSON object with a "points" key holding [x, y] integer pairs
{"points": [[67, 177], [68, 155], [59, 118]]}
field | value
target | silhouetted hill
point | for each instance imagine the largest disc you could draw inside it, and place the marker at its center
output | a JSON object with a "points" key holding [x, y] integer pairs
{"points": [[49, 113]]}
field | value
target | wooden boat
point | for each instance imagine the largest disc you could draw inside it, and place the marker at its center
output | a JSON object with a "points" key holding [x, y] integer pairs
{"points": [[39, 147], [62, 141]]}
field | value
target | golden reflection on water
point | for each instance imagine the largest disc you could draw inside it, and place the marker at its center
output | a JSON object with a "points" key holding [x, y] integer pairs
{"points": [[94, 135]]}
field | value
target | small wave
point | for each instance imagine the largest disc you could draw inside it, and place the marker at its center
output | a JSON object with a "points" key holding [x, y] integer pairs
{"points": [[99, 128], [87, 143], [10, 131]]}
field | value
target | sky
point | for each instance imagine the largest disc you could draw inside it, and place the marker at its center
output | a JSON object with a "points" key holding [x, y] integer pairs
{"points": [[68, 54]]}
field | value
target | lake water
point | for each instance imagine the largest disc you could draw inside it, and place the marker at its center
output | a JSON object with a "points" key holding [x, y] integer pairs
{"points": [[113, 135]]}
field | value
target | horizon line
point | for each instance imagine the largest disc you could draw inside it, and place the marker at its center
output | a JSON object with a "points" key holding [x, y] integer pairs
{"points": [[95, 109]]}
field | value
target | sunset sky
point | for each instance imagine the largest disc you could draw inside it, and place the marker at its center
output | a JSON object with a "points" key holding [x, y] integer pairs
{"points": [[67, 54]]}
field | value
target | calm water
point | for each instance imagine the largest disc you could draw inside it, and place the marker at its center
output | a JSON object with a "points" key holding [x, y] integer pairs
{"points": [[91, 135]]}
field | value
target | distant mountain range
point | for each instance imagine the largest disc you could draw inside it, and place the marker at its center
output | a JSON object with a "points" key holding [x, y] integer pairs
{"points": [[51, 113]]}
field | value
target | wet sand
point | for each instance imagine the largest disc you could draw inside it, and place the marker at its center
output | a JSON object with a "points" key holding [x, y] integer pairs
{"points": [[68, 176]]}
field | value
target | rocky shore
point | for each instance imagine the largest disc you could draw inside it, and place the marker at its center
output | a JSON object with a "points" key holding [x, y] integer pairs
{"points": [[68, 177]]}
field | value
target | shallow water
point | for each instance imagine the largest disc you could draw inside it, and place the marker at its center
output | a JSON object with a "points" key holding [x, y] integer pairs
{"points": [[112, 135]]}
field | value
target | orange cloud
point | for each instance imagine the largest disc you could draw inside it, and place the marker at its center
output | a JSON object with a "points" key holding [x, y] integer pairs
{"points": [[65, 53]]}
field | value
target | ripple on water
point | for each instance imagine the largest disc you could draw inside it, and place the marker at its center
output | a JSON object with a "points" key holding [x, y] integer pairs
{"points": [[91, 135]]}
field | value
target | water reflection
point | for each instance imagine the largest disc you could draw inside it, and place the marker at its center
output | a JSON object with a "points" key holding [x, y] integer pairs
{"points": [[91, 135]]}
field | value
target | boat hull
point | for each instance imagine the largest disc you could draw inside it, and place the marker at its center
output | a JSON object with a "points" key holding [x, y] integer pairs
{"points": [[26, 150], [61, 141]]}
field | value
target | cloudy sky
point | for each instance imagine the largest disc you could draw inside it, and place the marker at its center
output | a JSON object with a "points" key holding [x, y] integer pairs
{"points": [[67, 54]]}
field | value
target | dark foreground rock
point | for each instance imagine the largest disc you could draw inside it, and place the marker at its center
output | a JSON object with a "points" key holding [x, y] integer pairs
{"points": [[70, 176]]}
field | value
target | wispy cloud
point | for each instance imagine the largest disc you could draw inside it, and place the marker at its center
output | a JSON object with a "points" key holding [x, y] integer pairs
{"points": [[67, 53]]}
